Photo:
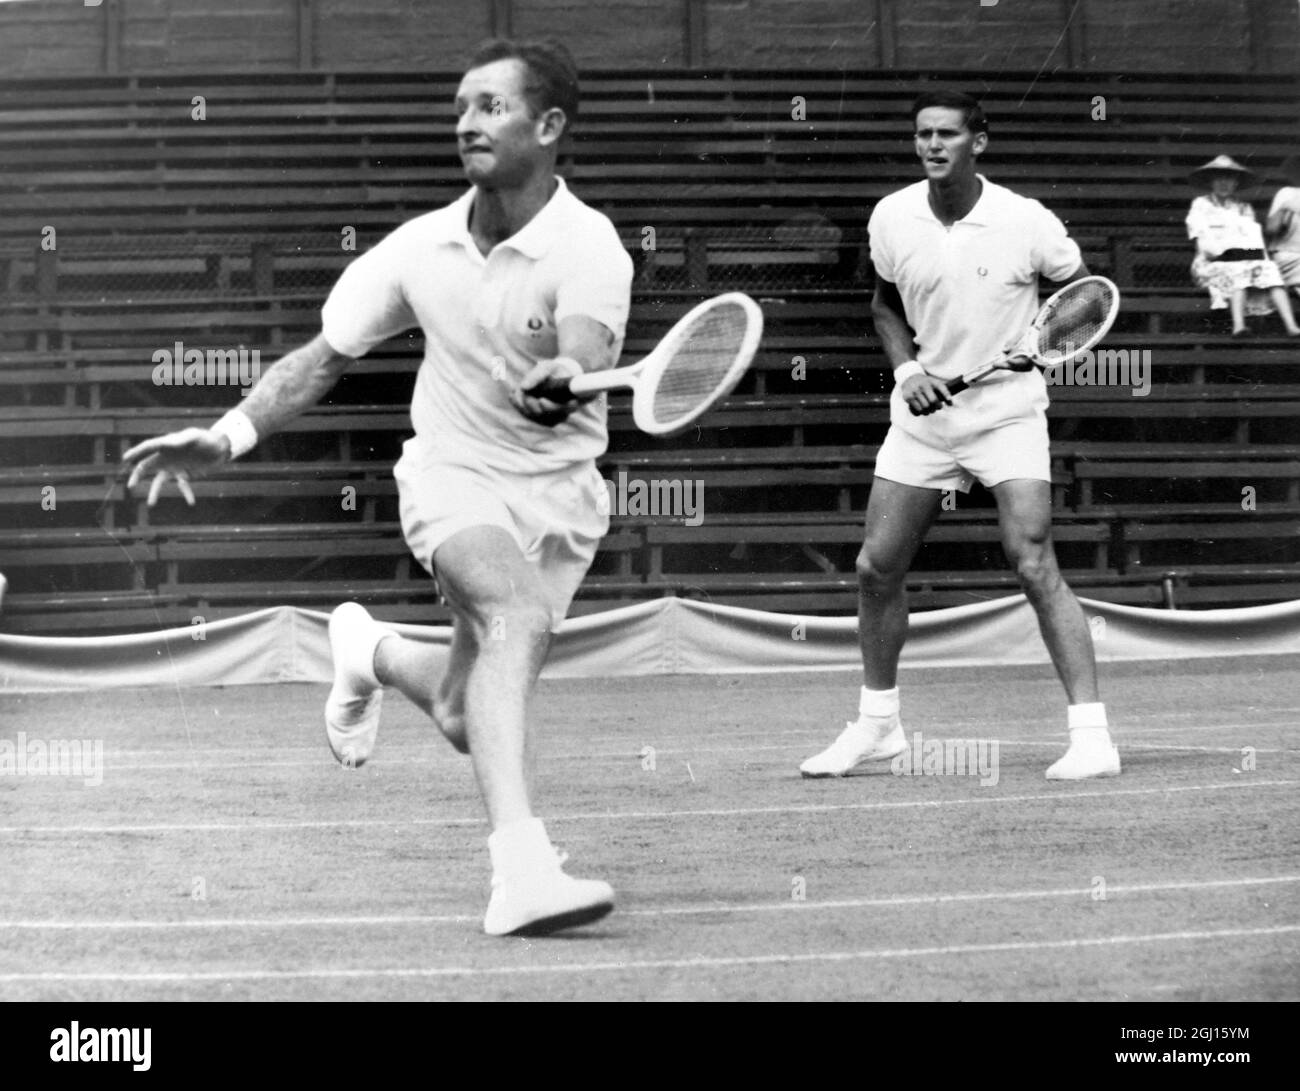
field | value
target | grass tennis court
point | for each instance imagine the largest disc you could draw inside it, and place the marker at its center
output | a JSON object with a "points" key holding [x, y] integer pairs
{"points": [[320, 883]]}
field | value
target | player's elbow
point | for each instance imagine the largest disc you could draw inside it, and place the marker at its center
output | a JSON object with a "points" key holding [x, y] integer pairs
{"points": [[324, 358]]}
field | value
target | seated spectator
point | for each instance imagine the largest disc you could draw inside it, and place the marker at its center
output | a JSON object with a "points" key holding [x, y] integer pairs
{"points": [[1283, 226], [1230, 260]]}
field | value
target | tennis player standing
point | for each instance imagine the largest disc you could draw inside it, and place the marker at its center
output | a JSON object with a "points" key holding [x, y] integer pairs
{"points": [[957, 262], [516, 282]]}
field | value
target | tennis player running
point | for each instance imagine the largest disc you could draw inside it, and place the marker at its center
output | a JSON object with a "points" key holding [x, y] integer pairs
{"points": [[957, 261], [516, 282]]}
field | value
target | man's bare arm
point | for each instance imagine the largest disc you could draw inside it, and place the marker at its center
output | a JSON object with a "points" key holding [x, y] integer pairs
{"points": [[290, 386], [1078, 274], [923, 392], [293, 384], [891, 327], [589, 342], [584, 344]]}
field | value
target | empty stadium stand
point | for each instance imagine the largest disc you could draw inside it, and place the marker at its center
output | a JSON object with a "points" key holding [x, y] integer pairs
{"points": [[132, 225]]}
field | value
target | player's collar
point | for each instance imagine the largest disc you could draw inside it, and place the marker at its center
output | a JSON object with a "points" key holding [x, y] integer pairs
{"points": [[981, 214], [455, 225], [536, 237], [983, 211], [532, 240]]}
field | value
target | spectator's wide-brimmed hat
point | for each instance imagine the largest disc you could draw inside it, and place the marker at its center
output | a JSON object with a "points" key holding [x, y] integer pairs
{"points": [[1220, 164]]}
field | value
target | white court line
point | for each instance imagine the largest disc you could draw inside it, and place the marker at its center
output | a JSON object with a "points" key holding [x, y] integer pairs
{"points": [[632, 758], [698, 963], [1281, 725], [1125, 743], [1062, 795], [633, 755], [1138, 744], [721, 909], [681, 743]]}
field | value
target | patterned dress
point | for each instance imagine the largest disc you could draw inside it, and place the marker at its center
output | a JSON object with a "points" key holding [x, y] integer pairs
{"points": [[1219, 228]]}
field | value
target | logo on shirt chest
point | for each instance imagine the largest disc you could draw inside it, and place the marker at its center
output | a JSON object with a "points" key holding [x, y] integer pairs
{"points": [[539, 334], [536, 336]]}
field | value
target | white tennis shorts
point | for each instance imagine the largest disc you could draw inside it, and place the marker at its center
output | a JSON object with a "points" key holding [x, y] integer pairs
{"points": [[993, 432], [557, 519]]}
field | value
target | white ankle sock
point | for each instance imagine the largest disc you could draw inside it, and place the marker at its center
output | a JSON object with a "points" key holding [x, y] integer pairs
{"points": [[1090, 737], [878, 703], [1085, 716], [520, 846]]}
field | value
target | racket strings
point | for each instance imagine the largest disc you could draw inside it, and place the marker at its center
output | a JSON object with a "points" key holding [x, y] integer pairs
{"points": [[700, 362], [1078, 320]]}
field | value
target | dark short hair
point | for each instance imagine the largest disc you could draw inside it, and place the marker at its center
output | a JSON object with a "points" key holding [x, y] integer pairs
{"points": [[972, 113], [551, 77], [1290, 169]]}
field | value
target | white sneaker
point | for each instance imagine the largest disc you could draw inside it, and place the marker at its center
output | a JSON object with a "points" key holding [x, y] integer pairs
{"points": [[544, 900], [864, 742], [531, 894], [352, 708], [540, 905], [1085, 759]]}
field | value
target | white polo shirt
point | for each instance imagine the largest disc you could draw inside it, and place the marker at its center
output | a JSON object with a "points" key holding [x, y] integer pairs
{"points": [[971, 289], [487, 321]]}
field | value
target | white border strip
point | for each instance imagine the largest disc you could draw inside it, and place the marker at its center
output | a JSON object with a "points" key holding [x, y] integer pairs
{"points": [[1061, 796], [790, 906], [697, 963]]}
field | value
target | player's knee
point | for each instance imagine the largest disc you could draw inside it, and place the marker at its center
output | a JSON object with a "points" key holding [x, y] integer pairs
{"points": [[875, 577], [449, 718], [509, 617], [447, 710], [1035, 567]]}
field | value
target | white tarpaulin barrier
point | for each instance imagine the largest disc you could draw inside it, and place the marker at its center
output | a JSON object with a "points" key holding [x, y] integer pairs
{"points": [[665, 636]]}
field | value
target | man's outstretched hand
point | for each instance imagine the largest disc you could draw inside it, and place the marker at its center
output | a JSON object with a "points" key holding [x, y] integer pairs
{"points": [[191, 452]]}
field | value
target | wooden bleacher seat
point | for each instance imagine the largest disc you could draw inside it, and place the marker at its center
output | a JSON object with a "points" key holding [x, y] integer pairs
{"points": [[234, 238]]}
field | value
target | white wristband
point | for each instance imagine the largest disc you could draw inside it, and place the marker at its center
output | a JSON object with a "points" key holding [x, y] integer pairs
{"points": [[237, 428], [906, 370]]}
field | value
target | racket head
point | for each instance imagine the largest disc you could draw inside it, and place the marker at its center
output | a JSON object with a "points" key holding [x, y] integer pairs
{"points": [[699, 362], [1072, 320]]}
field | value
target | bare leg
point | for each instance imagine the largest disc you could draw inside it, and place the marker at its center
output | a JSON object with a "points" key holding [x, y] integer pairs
{"points": [[411, 667], [1024, 512], [898, 517], [500, 639], [1237, 307], [1283, 304], [497, 596]]}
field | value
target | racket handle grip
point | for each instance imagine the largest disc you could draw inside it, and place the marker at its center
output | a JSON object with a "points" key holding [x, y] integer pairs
{"points": [[956, 386], [557, 390]]}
